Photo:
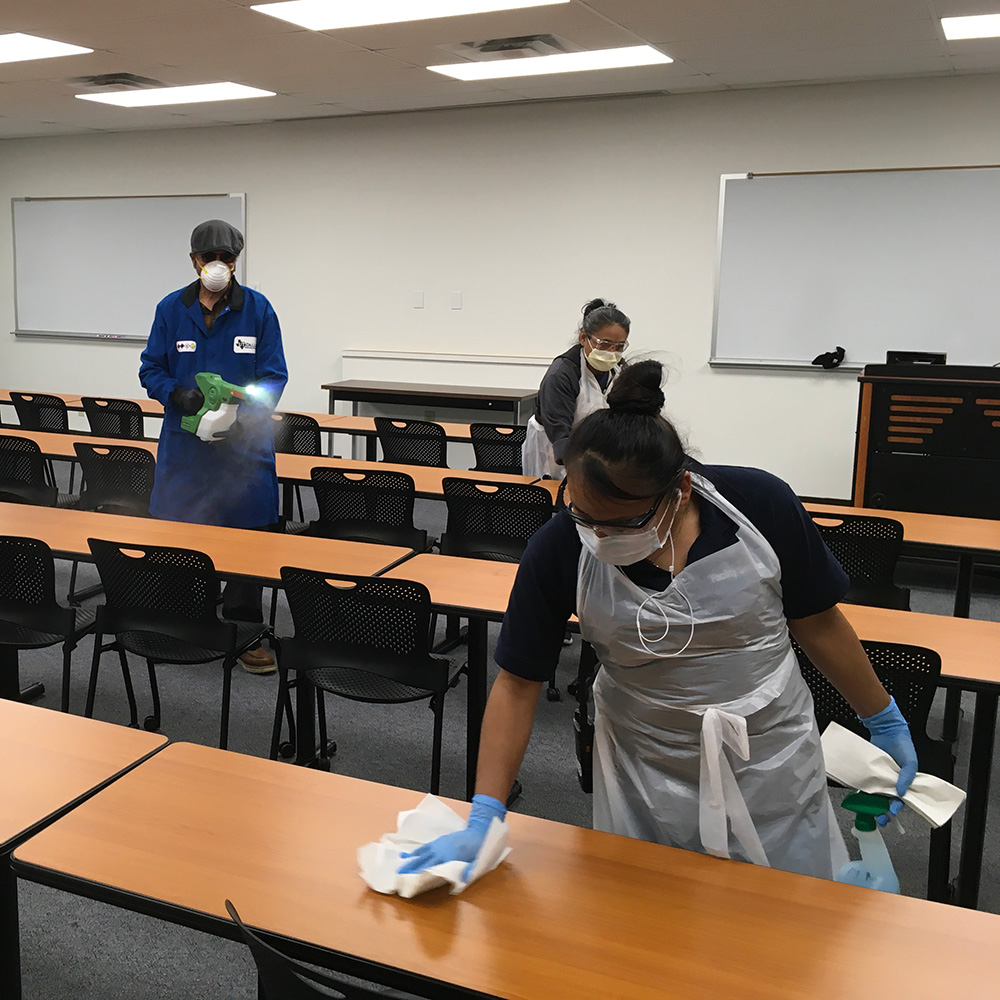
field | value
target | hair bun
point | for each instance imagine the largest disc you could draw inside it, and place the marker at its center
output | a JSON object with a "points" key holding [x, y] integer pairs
{"points": [[597, 304], [638, 390]]}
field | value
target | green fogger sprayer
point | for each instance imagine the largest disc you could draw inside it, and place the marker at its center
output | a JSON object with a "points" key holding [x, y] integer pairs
{"points": [[218, 411]]}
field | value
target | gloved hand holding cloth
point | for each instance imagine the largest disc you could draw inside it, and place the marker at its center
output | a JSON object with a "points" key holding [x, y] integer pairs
{"points": [[433, 846], [890, 733]]}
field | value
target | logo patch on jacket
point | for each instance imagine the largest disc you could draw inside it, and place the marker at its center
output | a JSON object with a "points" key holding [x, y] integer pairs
{"points": [[186, 346], [245, 345]]}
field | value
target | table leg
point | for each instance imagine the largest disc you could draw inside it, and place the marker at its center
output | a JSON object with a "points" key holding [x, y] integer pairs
{"points": [[287, 508], [305, 722], [977, 802], [10, 685], [371, 448], [10, 945], [963, 600], [476, 693]]}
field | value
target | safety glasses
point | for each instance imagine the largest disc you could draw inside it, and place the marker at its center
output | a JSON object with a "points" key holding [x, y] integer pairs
{"points": [[209, 255], [625, 522], [615, 346]]}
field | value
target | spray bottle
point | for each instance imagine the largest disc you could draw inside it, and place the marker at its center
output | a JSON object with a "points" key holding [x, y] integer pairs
{"points": [[218, 412], [874, 870]]}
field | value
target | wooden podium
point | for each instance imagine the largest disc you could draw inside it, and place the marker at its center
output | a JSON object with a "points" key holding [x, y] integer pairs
{"points": [[928, 439]]}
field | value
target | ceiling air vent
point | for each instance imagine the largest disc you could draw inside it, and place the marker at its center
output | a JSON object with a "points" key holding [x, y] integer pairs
{"points": [[113, 81], [519, 47]]}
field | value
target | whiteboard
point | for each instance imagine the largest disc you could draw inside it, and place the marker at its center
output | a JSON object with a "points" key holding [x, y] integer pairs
{"points": [[869, 260], [96, 267]]}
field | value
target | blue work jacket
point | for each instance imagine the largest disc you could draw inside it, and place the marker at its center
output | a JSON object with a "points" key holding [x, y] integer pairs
{"points": [[229, 483]]}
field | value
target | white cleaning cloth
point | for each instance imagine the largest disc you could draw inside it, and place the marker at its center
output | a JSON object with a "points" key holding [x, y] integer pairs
{"points": [[853, 761], [414, 827]]}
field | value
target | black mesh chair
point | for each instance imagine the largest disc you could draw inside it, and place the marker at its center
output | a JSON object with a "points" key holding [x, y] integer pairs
{"points": [[282, 978], [117, 479], [492, 520], [30, 616], [868, 548], [113, 418], [24, 476], [364, 505], [365, 639], [412, 442], [38, 411], [911, 675], [497, 448], [296, 434], [160, 605]]}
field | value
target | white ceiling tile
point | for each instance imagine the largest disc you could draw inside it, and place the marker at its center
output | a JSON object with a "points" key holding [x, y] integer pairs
{"points": [[959, 8], [815, 73], [450, 30], [404, 103], [35, 17]]}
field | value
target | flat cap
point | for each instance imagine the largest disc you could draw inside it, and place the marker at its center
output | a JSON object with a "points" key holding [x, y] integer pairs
{"points": [[216, 235]]}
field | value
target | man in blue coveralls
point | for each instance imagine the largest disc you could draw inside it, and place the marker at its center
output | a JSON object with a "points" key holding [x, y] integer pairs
{"points": [[217, 325]]}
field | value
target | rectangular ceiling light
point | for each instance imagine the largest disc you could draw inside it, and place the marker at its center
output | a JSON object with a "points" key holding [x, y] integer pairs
{"points": [[327, 15], [17, 47], [197, 94], [971, 26], [568, 62]]}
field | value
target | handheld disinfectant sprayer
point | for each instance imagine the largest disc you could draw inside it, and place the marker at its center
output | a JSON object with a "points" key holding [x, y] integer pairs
{"points": [[218, 412]]}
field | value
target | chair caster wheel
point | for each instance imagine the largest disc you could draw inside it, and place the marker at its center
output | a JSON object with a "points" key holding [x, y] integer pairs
{"points": [[571, 689], [329, 748], [286, 750], [151, 724], [553, 694]]}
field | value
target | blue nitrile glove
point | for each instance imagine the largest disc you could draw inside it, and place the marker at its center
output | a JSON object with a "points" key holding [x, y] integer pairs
{"points": [[891, 734], [462, 845]]}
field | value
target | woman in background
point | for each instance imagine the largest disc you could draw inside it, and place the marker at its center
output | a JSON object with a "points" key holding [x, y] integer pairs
{"points": [[574, 387]]}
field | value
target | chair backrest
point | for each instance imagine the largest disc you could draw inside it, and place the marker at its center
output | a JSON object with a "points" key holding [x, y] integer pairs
{"points": [[379, 497], [296, 434], [22, 473], [497, 448], [412, 442], [868, 548], [37, 411], [482, 514], [372, 612], [28, 586], [156, 588], [909, 673], [116, 418], [118, 479], [284, 978]]}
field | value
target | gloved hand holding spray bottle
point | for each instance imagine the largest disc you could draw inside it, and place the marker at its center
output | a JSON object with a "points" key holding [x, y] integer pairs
{"points": [[219, 409]]}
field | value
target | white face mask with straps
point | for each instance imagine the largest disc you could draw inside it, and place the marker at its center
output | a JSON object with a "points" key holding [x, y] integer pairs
{"points": [[632, 547]]}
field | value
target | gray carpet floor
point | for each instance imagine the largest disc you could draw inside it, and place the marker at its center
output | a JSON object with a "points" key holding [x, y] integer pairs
{"points": [[74, 948]]}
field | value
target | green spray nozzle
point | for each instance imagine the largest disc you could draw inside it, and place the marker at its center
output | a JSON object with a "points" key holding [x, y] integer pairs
{"points": [[865, 807], [217, 392]]}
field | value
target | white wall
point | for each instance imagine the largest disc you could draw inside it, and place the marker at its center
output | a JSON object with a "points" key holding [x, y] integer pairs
{"points": [[528, 210]]}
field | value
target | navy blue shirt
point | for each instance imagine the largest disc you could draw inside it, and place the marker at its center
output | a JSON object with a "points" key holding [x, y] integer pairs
{"points": [[544, 594]]}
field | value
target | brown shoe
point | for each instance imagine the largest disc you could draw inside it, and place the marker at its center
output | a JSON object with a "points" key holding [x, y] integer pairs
{"points": [[257, 661]]}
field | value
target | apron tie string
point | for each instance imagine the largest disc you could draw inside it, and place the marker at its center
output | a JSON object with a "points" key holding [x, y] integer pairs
{"points": [[720, 799]]}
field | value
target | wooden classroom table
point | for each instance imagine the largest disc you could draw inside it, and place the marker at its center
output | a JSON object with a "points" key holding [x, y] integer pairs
{"points": [[54, 762], [969, 650], [236, 552], [290, 468], [966, 536], [330, 423], [572, 913]]}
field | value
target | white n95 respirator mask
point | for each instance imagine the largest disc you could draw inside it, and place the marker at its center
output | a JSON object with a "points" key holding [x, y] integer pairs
{"points": [[215, 275]]}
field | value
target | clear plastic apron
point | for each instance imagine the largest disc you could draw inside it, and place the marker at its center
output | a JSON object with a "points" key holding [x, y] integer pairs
{"points": [[715, 749], [537, 457]]}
